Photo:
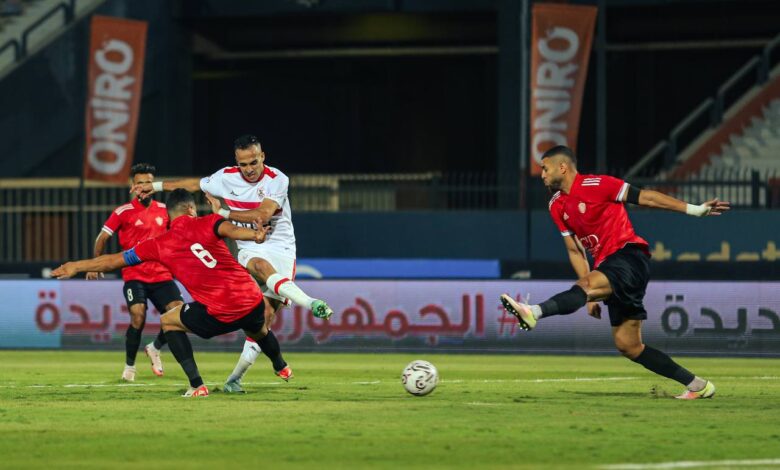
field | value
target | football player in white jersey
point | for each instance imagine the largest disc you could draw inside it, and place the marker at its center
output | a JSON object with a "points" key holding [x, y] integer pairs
{"points": [[254, 190]]}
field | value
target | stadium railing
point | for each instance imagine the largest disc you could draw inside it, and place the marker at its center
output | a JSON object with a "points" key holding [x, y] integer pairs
{"points": [[743, 187], [57, 218], [710, 112]]}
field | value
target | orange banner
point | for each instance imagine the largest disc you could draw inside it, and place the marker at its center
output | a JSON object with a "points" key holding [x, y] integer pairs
{"points": [[116, 70], [561, 38]]}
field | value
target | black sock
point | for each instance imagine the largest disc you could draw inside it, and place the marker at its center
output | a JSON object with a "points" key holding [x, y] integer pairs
{"points": [[660, 363], [132, 341], [181, 348], [564, 303], [160, 340], [270, 346]]}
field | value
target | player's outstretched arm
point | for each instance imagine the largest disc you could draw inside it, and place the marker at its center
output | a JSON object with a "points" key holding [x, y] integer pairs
{"points": [[260, 215], [190, 184], [100, 264], [228, 230], [654, 199], [100, 246]]}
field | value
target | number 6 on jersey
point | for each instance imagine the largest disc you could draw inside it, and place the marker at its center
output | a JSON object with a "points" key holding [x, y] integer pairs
{"points": [[203, 255]]}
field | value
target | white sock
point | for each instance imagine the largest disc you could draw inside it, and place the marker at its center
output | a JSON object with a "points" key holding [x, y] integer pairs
{"points": [[245, 361], [536, 311], [697, 384], [286, 288], [151, 346]]}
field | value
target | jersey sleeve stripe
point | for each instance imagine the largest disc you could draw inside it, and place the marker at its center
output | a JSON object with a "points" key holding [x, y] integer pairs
{"points": [[622, 192], [121, 209], [566, 233], [107, 230], [216, 227], [131, 258]]}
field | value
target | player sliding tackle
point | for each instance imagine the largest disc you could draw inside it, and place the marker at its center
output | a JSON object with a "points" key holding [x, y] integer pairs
{"points": [[589, 212], [226, 297], [255, 192]]}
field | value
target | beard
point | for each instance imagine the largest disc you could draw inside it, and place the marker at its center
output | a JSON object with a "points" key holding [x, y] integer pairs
{"points": [[555, 185], [145, 201]]}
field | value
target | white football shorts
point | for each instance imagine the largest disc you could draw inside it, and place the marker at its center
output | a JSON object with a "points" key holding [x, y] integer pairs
{"points": [[283, 264]]}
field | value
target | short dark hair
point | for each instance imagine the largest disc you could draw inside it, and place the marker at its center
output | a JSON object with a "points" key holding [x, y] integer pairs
{"points": [[245, 141], [142, 168], [178, 200], [560, 150]]}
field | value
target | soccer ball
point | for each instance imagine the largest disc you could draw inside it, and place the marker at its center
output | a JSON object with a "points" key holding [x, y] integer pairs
{"points": [[420, 378]]}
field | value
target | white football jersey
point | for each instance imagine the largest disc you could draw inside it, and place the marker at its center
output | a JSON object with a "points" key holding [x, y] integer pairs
{"points": [[240, 195]]}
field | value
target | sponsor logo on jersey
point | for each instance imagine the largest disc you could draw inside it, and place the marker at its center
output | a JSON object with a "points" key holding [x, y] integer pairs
{"points": [[565, 216], [590, 242], [251, 225], [233, 193], [138, 222]]}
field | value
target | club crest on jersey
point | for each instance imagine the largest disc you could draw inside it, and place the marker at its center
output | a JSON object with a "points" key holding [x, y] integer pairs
{"points": [[260, 193], [159, 220], [582, 207]]}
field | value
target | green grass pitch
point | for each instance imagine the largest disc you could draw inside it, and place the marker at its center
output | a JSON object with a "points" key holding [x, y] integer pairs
{"points": [[69, 410]]}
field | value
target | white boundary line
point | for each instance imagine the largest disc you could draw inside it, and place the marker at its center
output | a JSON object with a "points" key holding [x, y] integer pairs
{"points": [[692, 464], [378, 382], [538, 381]]}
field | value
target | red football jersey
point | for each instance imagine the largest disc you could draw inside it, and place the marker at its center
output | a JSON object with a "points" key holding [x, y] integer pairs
{"points": [[200, 260], [135, 223], [593, 212]]}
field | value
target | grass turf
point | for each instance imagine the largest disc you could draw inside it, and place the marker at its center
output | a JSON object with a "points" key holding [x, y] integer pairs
{"points": [[67, 409]]}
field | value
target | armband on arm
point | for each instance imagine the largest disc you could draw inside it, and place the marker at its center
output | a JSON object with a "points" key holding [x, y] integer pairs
{"points": [[633, 195], [131, 258]]}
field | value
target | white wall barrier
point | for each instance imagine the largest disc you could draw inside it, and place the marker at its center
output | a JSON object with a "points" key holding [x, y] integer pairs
{"points": [[722, 318]]}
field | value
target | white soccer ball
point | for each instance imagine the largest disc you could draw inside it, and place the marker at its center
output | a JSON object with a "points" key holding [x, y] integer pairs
{"points": [[420, 378]]}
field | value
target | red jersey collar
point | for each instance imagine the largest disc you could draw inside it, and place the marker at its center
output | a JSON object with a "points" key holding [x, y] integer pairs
{"points": [[575, 184], [180, 219], [265, 171], [137, 204]]}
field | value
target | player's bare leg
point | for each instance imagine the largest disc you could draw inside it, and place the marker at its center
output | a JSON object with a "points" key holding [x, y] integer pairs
{"points": [[628, 340], [591, 288], [286, 288], [133, 340], [152, 349], [180, 345], [269, 345]]}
